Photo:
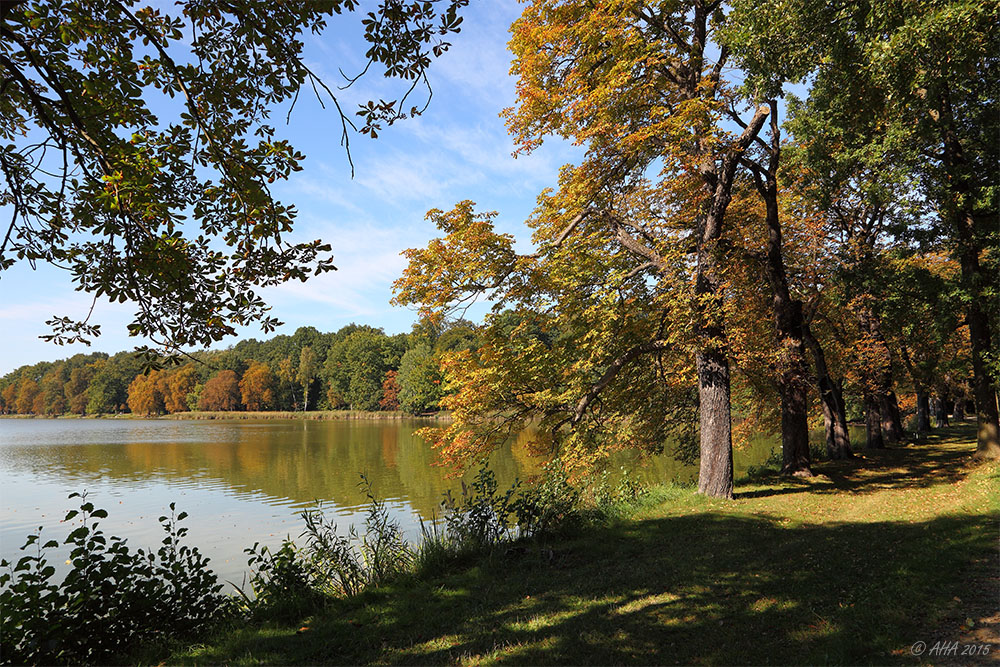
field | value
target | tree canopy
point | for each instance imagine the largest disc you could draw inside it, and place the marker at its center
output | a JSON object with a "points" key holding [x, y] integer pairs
{"points": [[696, 248], [139, 149]]}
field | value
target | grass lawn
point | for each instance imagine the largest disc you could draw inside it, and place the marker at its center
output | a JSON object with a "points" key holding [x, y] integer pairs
{"points": [[853, 566]]}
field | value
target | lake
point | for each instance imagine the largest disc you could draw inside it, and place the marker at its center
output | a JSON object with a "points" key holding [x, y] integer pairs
{"points": [[241, 482]]}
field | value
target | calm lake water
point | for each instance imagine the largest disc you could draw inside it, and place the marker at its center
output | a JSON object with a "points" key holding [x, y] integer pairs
{"points": [[240, 481]]}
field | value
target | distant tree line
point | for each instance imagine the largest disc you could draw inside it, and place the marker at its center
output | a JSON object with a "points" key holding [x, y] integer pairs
{"points": [[359, 367]]}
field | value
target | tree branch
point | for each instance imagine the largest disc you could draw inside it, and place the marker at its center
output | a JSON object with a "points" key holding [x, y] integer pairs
{"points": [[613, 369]]}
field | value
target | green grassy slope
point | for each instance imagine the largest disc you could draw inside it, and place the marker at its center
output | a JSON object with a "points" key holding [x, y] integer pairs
{"points": [[853, 566]]}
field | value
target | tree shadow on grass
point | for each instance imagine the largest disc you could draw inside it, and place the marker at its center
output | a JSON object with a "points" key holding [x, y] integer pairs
{"points": [[901, 467], [706, 588]]}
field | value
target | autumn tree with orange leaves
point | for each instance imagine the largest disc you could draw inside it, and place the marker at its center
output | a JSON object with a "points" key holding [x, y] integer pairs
{"points": [[631, 248], [145, 394], [221, 393], [257, 387]]}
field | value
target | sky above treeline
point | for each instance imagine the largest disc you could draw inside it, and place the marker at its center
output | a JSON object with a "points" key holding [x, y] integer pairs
{"points": [[458, 149]]}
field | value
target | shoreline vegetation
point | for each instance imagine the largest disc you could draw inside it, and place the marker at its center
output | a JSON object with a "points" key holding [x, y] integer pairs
{"points": [[356, 372], [852, 566], [263, 415]]}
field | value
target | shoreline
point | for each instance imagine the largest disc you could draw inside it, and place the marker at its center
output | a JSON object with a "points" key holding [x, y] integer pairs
{"points": [[264, 415]]}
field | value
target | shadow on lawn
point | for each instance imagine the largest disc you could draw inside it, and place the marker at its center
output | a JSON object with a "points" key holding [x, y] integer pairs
{"points": [[703, 588], [712, 587], [914, 466]]}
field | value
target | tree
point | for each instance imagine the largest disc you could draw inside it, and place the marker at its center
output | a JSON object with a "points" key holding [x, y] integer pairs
{"points": [[419, 380], [145, 396], [356, 365], [175, 213], [640, 85], [390, 392], [911, 89], [76, 388], [27, 392], [179, 384], [9, 397], [793, 380], [193, 399], [108, 391], [257, 387], [367, 366], [52, 390], [221, 393], [306, 372], [286, 377]]}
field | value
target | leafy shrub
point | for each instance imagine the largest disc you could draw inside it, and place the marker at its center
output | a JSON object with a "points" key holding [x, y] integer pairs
{"points": [[347, 564], [482, 518], [111, 600], [279, 581], [550, 505], [626, 490], [330, 563]]}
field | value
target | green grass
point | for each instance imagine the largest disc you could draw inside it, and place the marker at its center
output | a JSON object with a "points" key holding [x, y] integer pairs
{"points": [[851, 567]]}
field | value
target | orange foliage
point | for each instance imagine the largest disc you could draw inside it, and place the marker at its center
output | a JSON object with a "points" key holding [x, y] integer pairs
{"points": [[257, 387], [145, 394], [221, 393], [390, 392], [27, 392], [179, 384]]}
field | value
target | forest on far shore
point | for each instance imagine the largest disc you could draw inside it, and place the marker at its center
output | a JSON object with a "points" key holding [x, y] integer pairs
{"points": [[358, 367]]}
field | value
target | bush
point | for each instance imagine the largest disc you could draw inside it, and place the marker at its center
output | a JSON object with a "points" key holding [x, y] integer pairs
{"points": [[279, 582], [550, 505], [293, 579], [111, 601], [345, 564], [481, 518], [626, 491]]}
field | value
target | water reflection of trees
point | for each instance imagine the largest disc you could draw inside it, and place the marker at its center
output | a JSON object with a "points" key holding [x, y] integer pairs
{"points": [[304, 461], [301, 461]]}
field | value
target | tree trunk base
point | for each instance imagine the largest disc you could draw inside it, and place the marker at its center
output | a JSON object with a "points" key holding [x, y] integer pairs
{"points": [[801, 472], [988, 445], [991, 454], [715, 477]]}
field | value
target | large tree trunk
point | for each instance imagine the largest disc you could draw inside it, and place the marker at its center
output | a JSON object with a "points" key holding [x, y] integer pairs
{"points": [[892, 423], [793, 383], [987, 415], [984, 384], [715, 477], [941, 405], [716, 442], [923, 412], [838, 441], [885, 398], [873, 422], [796, 457]]}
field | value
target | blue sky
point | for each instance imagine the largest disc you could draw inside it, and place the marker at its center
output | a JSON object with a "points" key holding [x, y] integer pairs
{"points": [[459, 149]]}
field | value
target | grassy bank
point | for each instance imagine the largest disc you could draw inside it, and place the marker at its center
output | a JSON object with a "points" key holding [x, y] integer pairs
{"points": [[853, 566]]}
